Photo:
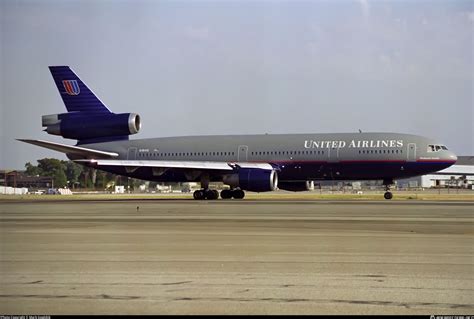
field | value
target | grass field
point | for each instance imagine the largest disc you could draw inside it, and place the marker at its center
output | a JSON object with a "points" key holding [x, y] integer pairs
{"points": [[315, 195]]}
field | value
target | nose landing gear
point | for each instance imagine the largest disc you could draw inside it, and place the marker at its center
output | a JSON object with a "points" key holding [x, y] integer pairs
{"points": [[387, 183]]}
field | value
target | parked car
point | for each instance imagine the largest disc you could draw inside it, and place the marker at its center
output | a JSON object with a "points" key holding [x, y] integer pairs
{"points": [[52, 191]]}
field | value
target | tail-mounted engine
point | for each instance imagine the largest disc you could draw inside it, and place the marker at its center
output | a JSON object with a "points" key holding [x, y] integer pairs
{"points": [[86, 126]]}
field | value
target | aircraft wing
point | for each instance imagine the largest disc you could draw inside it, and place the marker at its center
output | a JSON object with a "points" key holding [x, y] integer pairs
{"points": [[199, 165], [102, 158], [69, 149]]}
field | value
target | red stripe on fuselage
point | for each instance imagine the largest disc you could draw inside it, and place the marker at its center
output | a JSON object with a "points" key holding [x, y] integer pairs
{"points": [[435, 161], [353, 161], [373, 161]]}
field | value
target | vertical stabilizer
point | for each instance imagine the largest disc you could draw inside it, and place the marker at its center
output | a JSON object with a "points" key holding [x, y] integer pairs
{"points": [[76, 95]]}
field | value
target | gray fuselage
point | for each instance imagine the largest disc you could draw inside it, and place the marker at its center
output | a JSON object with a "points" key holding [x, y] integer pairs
{"points": [[297, 157]]}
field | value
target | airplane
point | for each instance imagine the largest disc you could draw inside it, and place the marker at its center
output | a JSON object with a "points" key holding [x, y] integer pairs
{"points": [[257, 163]]}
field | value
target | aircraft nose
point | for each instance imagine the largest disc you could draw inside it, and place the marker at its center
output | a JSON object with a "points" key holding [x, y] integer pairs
{"points": [[452, 157]]}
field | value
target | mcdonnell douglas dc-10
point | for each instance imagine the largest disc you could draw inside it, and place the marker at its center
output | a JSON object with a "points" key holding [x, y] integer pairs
{"points": [[257, 163]]}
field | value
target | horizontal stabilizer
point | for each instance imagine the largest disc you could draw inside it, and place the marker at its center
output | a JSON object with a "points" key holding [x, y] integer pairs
{"points": [[69, 149]]}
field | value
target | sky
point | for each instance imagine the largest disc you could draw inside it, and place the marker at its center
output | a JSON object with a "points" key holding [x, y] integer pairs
{"points": [[242, 67]]}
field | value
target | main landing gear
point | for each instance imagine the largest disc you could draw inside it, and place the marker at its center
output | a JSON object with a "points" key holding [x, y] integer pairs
{"points": [[387, 183], [212, 194], [206, 194], [232, 193]]}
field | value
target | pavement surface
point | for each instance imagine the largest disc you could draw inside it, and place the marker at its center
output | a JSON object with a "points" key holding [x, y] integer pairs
{"points": [[236, 257]]}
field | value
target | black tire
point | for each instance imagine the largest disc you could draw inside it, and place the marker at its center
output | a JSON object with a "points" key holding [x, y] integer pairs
{"points": [[211, 194], [226, 194], [198, 195], [388, 195], [238, 194]]}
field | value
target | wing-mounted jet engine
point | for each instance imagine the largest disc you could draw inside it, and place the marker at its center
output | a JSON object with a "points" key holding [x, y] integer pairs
{"points": [[250, 179]]}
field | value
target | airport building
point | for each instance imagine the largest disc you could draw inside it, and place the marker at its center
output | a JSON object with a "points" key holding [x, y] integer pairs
{"points": [[459, 175], [20, 179]]}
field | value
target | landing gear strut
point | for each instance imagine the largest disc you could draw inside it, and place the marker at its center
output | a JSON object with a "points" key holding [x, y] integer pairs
{"points": [[388, 183], [205, 192]]}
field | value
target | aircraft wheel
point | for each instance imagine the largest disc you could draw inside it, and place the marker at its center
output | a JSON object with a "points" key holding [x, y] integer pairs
{"points": [[198, 195], [226, 194], [211, 194], [238, 194], [388, 195]]}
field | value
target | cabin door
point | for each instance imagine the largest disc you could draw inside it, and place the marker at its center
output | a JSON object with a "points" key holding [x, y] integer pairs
{"points": [[333, 154], [411, 152], [132, 153], [242, 153]]}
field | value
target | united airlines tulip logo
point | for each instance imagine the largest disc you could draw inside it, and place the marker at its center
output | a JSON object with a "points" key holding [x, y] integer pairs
{"points": [[71, 87]]}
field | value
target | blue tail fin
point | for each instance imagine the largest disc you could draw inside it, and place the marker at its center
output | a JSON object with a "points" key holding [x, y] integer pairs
{"points": [[76, 95]]}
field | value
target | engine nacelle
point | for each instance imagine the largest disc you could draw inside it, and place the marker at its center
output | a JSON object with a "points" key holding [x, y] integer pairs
{"points": [[296, 186], [83, 126], [253, 179]]}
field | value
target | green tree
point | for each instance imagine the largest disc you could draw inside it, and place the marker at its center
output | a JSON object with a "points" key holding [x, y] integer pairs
{"points": [[54, 168], [32, 170], [73, 171], [64, 171], [60, 179]]}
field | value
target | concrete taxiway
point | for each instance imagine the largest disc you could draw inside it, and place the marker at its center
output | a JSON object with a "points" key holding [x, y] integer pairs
{"points": [[236, 257]]}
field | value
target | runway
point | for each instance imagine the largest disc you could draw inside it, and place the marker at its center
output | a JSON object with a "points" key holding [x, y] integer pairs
{"points": [[236, 257]]}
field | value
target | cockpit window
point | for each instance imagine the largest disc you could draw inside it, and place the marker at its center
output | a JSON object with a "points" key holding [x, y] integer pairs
{"points": [[436, 148]]}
